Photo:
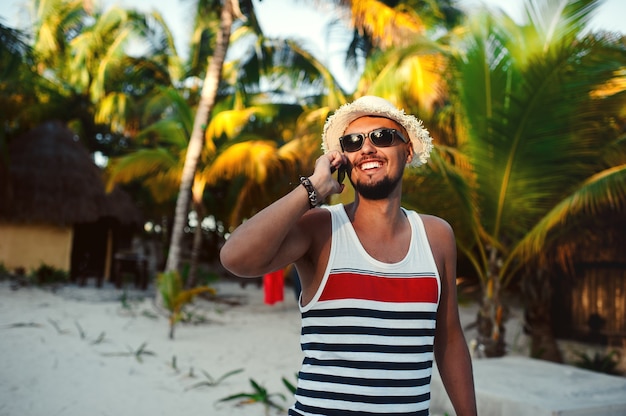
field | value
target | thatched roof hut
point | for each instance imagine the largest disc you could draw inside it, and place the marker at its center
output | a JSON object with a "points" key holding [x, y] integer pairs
{"points": [[53, 202], [53, 180], [589, 297]]}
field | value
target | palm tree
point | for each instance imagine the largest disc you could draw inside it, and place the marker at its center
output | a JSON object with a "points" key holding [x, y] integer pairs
{"points": [[304, 64], [75, 61], [532, 144], [196, 142], [83, 52], [163, 120], [18, 81], [158, 163], [387, 25]]}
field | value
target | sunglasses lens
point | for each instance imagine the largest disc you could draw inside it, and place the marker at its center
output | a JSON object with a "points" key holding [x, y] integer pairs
{"points": [[382, 137], [352, 142]]}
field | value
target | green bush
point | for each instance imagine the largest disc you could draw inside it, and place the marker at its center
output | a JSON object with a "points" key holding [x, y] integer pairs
{"points": [[4, 272], [45, 275], [599, 362]]}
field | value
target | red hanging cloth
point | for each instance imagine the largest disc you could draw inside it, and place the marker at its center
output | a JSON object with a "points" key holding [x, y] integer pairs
{"points": [[273, 286]]}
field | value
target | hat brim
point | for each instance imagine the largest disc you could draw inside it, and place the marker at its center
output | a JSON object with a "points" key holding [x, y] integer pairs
{"points": [[337, 124]]}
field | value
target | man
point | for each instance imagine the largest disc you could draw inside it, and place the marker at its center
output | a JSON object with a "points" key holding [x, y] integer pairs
{"points": [[378, 296]]}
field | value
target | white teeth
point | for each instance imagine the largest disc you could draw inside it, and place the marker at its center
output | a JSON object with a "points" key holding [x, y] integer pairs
{"points": [[370, 165]]}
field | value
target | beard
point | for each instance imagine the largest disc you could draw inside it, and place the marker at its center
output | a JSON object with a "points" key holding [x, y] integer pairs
{"points": [[377, 191]]}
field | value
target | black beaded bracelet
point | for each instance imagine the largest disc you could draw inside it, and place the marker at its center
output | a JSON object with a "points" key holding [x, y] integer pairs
{"points": [[312, 193]]}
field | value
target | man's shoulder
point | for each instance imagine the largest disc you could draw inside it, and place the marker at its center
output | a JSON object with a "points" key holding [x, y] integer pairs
{"points": [[435, 225], [431, 220]]}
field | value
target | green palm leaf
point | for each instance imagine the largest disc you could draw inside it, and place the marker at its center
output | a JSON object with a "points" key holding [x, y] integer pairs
{"points": [[602, 192], [252, 159]]}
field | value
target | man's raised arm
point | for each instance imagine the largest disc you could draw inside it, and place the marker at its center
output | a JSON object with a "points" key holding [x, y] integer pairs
{"points": [[274, 238]]}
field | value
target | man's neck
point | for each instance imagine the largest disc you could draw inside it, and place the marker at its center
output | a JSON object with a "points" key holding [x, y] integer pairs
{"points": [[380, 216]]}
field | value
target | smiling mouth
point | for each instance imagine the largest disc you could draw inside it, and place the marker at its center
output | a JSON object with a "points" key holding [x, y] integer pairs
{"points": [[370, 165]]}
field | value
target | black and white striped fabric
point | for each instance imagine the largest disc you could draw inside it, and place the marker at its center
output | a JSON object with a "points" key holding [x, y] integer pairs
{"points": [[367, 335]]}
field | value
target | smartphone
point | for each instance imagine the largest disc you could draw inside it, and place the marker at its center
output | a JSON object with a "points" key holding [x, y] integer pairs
{"points": [[341, 172]]}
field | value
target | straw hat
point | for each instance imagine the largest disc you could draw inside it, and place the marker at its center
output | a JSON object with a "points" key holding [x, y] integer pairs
{"points": [[370, 105]]}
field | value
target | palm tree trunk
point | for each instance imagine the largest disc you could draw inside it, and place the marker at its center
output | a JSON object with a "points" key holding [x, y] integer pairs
{"points": [[192, 277], [492, 313], [196, 142], [537, 290]]}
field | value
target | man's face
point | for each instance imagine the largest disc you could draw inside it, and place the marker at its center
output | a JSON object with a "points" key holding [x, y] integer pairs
{"points": [[377, 171]]}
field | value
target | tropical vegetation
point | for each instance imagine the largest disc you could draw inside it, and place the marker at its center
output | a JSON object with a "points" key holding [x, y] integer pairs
{"points": [[528, 119], [175, 297]]}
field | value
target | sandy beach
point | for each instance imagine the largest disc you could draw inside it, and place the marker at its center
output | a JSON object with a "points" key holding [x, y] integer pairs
{"points": [[75, 352], [79, 351]]}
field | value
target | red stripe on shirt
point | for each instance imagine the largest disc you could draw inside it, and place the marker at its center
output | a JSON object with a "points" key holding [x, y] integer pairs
{"points": [[381, 288]]}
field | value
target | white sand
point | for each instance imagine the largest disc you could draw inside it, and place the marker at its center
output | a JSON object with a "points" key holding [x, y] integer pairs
{"points": [[48, 368], [53, 360]]}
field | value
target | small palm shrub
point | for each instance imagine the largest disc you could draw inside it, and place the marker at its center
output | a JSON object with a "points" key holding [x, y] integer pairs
{"points": [[259, 395], [175, 297]]}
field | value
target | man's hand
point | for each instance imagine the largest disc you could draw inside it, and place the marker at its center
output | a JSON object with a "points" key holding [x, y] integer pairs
{"points": [[323, 181]]}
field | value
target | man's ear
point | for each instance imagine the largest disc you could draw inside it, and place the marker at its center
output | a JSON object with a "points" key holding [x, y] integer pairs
{"points": [[410, 152]]}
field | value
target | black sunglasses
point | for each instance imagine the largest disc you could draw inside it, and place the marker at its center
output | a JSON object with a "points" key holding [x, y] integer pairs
{"points": [[378, 137]]}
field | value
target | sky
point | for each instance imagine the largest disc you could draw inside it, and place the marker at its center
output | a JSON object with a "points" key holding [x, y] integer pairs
{"points": [[299, 19]]}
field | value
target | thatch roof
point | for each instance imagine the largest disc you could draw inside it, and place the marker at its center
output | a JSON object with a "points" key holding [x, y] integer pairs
{"points": [[52, 179]]}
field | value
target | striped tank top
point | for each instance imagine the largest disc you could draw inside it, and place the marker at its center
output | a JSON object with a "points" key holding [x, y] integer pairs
{"points": [[368, 333]]}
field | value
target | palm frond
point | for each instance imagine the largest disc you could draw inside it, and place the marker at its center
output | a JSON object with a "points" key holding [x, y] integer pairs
{"points": [[167, 133], [523, 141], [387, 26], [230, 122], [451, 196], [139, 164], [164, 185], [554, 21], [174, 62], [410, 74], [604, 191], [251, 159], [113, 110]]}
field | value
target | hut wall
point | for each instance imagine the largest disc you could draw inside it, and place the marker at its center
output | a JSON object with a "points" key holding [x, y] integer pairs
{"points": [[30, 246], [591, 306]]}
